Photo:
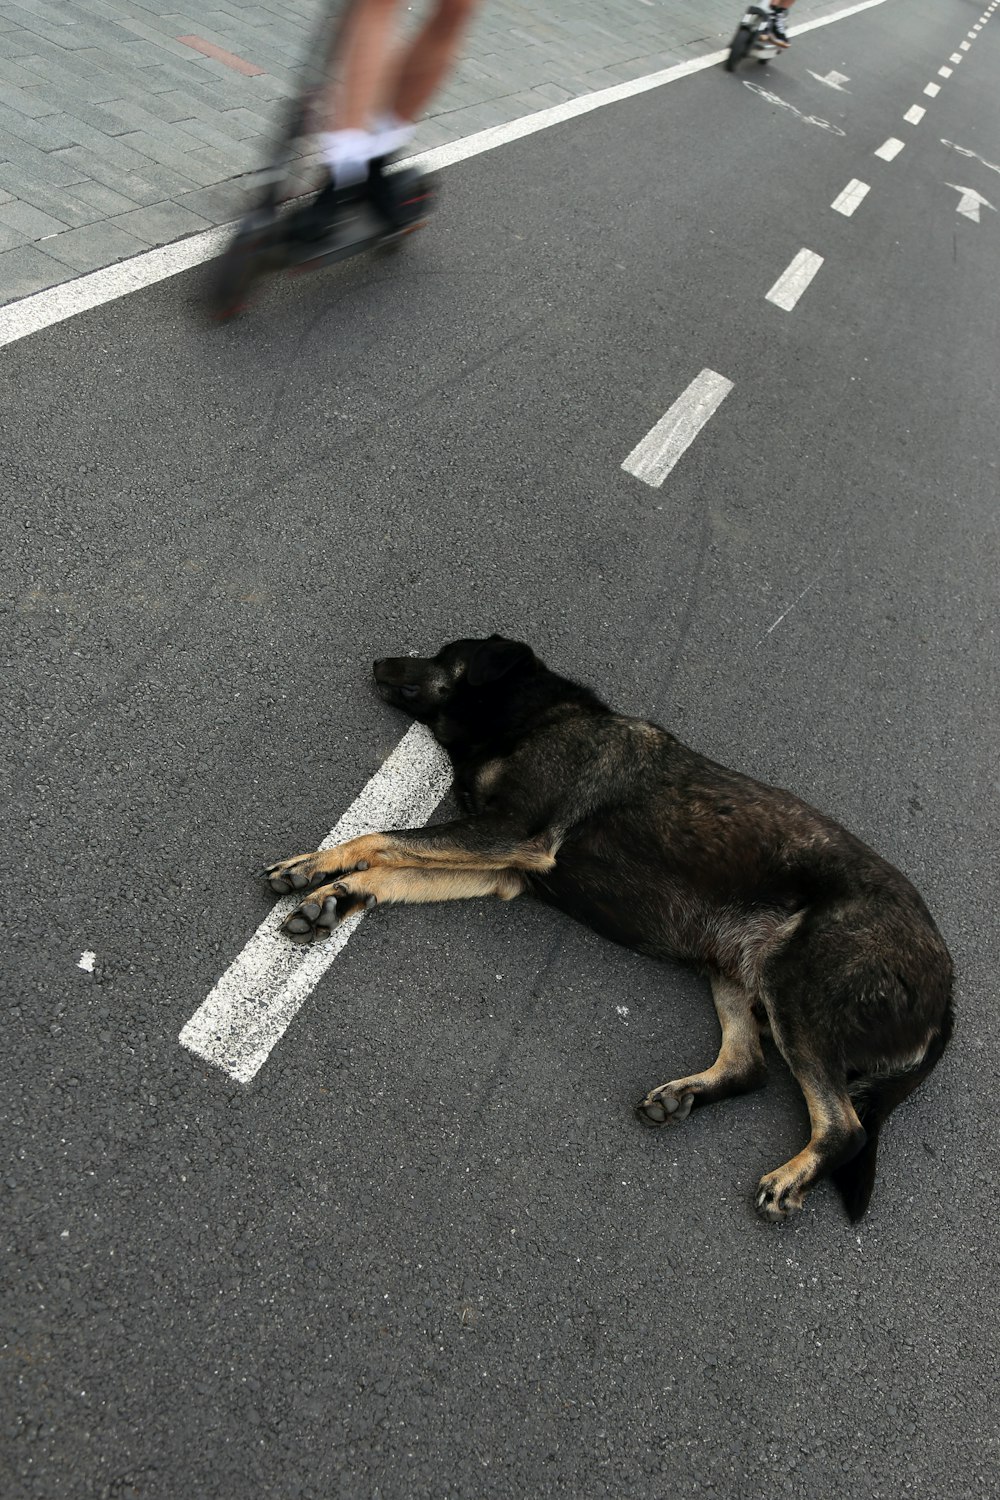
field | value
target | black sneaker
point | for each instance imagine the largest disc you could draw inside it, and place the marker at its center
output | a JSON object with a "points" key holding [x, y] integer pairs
{"points": [[401, 199], [777, 28], [317, 219]]}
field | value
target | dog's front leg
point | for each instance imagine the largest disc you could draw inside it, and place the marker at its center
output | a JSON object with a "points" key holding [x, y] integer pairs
{"points": [[466, 843], [446, 862], [329, 905]]}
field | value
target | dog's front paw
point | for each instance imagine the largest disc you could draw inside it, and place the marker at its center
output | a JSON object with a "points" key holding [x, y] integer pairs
{"points": [[778, 1195], [313, 920], [295, 874], [667, 1105]]}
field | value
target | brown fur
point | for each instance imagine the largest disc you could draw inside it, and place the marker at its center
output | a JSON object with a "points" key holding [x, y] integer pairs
{"points": [[798, 925]]}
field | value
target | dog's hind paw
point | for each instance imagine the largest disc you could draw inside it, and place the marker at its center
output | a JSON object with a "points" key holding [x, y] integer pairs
{"points": [[778, 1196], [667, 1105], [313, 920]]}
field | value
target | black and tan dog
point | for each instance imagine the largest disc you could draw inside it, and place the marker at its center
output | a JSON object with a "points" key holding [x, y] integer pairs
{"points": [[800, 927]]}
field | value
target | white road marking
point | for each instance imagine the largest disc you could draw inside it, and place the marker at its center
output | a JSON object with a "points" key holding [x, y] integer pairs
{"points": [[792, 283], [832, 80], [756, 88], [42, 309], [964, 46], [653, 458], [914, 114], [944, 72], [970, 202], [263, 990], [956, 57], [890, 149], [86, 961], [964, 151], [854, 193], [932, 90], [794, 605]]}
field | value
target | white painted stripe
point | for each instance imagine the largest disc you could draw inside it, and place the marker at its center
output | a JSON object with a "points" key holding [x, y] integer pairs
{"points": [[964, 46], [260, 994], [653, 458], [889, 149], [792, 283], [944, 72], [854, 193], [933, 89], [956, 57], [42, 309], [914, 114]]}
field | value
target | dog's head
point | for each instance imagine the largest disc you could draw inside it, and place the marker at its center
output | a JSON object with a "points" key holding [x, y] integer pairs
{"points": [[457, 681]]}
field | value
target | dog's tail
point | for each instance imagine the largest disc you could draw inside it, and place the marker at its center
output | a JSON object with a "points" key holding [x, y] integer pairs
{"points": [[874, 1098]]}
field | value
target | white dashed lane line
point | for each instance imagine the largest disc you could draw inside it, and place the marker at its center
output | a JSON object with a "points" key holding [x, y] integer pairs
{"points": [[263, 990], [914, 114], [890, 149], [932, 90], [792, 283], [652, 459], [854, 193], [944, 72]]}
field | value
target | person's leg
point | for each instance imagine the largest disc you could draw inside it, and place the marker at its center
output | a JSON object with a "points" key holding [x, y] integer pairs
{"points": [[414, 80], [778, 11], [379, 87], [427, 59], [362, 66], [356, 136]]}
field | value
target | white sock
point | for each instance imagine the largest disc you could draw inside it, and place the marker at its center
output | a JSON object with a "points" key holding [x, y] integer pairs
{"points": [[391, 134], [347, 154]]}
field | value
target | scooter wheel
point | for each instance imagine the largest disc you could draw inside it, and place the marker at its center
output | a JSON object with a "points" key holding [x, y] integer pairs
{"points": [[244, 260], [739, 48]]}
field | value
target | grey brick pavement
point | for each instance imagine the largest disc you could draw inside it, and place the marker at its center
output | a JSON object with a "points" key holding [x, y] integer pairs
{"points": [[115, 136]]}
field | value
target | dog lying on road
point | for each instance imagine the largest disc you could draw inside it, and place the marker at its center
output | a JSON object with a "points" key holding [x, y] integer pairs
{"points": [[799, 926]]}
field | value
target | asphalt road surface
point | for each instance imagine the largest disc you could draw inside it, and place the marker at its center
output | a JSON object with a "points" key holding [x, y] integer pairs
{"points": [[428, 1251]]}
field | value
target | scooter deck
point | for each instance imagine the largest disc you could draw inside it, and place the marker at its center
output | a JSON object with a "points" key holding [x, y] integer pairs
{"points": [[353, 237], [261, 248]]}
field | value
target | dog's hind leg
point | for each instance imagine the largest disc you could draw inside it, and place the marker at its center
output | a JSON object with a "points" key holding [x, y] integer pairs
{"points": [[325, 908], [739, 1067], [837, 1134]]}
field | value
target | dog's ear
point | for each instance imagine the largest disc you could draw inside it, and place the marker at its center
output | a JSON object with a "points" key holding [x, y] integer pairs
{"points": [[494, 658]]}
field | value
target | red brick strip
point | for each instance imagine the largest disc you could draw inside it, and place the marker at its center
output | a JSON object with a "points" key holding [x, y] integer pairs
{"points": [[229, 59]]}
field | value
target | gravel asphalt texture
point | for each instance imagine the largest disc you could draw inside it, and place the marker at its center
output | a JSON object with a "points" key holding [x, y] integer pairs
{"points": [[429, 1252]]}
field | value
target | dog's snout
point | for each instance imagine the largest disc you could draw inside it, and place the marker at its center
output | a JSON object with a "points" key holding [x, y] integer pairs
{"points": [[389, 671]]}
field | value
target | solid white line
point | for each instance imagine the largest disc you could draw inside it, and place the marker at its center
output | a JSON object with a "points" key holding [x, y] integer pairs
{"points": [[653, 458], [944, 72], [890, 149], [262, 991], [792, 283], [914, 114], [854, 193], [933, 89], [42, 309]]}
